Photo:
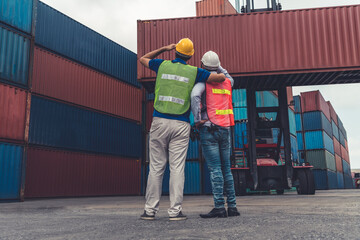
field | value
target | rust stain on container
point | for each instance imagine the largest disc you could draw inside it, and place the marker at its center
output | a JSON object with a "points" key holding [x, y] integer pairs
{"points": [[13, 102], [58, 173], [60, 78], [286, 42]]}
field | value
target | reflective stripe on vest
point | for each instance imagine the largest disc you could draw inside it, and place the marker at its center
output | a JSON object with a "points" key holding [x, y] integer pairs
{"points": [[219, 103], [174, 82]]}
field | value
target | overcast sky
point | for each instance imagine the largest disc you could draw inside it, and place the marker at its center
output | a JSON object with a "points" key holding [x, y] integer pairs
{"points": [[116, 19]]}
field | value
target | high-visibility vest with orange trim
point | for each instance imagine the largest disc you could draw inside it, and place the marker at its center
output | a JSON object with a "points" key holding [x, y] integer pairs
{"points": [[219, 103]]}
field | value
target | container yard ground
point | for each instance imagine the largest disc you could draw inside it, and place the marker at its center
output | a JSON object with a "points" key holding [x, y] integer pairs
{"points": [[327, 215]]}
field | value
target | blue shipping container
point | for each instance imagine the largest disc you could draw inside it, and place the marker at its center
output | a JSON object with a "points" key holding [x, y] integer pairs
{"points": [[340, 180], [67, 37], [193, 150], [332, 180], [240, 135], [298, 122], [14, 57], [239, 97], [297, 102], [270, 99], [300, 141], [316, 121], [292, 122], [318, 140], [17, 13], [335, 130], [325, 179], [346, 167], [294, 148], [61, 125], [192, 178], [342, 139], [348, 182], [240, 113], [11, 157]]}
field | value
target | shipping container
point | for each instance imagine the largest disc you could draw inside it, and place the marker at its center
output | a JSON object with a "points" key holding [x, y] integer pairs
{"points": [[348, 182], [300, 140], [297, 44], [240, 113], [298, 122], [338, 162], [60, 125], [193, 150], [318, 140], [316, 121], [294, 148], [314, 101], [11, 162], [321, 159], [344, 154], [61, 34], [60, 173], [239, 98], [337, 148], [214, 7], [335, 130], [192, 183], [346, 167], [240, 134], [325, 179], [60, 78], [14, 57], [341, 128], [18, 14], [340, 180], [297, 104], [292, 122], [13, 113], [333, 114]]}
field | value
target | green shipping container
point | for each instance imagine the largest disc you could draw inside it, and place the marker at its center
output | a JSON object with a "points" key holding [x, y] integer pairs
{"points": [[321, 159]]}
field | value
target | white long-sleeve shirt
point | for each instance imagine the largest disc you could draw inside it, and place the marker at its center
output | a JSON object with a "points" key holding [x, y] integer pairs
{"points": [[198, 99]]}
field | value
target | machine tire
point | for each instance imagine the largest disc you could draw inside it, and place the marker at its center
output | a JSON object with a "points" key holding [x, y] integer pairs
{"points": [[280, 191], [303, 182], [311, 182], [241, 183]]}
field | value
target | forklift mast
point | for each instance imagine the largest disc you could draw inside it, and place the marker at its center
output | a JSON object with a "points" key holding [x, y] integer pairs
{"points": [[249, 7]]}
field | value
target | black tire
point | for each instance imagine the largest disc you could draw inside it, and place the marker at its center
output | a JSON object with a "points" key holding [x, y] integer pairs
{"points": [[242, 183], [303, 183], [280, 191], [311, 182]]}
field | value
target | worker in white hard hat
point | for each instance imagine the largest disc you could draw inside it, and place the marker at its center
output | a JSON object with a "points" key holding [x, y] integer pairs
{"points": [[170, 128], [211, 104]]}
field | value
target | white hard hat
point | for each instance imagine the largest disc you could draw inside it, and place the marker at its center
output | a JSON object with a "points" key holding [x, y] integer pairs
{"points": [[210, 60]]}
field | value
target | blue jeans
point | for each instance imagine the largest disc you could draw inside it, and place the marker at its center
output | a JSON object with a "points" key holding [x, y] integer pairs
{"points": [[216, 150]]}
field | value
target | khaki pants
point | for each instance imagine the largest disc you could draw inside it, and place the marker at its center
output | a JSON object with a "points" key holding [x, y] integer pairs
{"points": [[169, 141]]}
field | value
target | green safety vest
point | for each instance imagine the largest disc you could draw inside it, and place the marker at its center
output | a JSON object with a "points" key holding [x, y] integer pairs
{"points": [[174, 82]]}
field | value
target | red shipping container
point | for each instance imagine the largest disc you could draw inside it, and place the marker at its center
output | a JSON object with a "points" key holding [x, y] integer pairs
{"points": [[13, 113], [57, 173], [314, 101], [337, 148], [338, 162], [344, 154], [346, 145], [60, 78], [214, 7], [333, 114], [278, 43], [149, 114]]}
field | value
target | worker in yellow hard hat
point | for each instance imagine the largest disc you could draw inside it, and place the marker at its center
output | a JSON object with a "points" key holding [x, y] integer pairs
{"points": [[170, 128]]}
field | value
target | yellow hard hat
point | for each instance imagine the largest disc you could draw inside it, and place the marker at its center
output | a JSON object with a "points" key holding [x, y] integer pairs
{"points": [[185, 46]]}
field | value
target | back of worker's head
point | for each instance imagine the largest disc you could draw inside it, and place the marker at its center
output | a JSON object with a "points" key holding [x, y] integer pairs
{"points": [[184, 49], [210, 61]]}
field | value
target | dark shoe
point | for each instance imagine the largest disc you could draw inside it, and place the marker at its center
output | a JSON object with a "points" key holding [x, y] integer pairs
{"points": [[178, 217], [233, 212], [215, 213], [145, 216]]}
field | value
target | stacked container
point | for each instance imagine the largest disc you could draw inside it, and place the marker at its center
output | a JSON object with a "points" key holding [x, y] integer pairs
{"points": [[16, 49], [85, 136], [319, 139]]}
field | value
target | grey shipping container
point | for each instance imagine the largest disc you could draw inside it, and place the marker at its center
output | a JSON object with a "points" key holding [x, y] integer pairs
{"points": [[321, 159]]}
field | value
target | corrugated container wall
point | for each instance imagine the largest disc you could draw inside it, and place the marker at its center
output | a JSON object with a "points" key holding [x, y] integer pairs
{"points": [[333, 114], [13, 113], [59, 78], [14, 57], [316, 121], [214, 7], [301, 40], [61, 125], [53, 173], [64, 35], [11, 158], [17, 13], [314, 101], [318, 140]]}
